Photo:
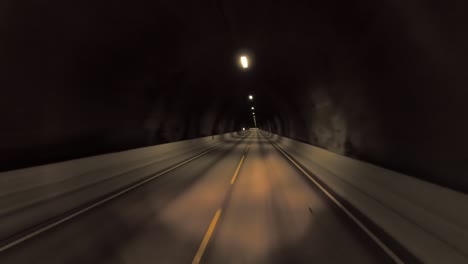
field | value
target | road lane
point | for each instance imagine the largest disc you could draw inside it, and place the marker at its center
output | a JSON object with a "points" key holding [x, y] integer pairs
{"points": [[163, 220], [241, 203], [274, 215]]}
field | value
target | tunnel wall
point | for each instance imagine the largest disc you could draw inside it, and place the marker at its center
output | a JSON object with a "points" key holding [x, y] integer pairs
{"points": [[417, 132], [33, 195], [413, 212], [44, 129], [82, 78], [383, 82]]}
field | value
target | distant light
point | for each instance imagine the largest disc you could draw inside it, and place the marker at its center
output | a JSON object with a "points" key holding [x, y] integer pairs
{"points": [[253, 108], [244, 62], [253, 113], [250, 97], [243, 128]]}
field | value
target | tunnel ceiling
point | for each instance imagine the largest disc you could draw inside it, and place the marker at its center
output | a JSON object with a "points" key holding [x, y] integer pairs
{"points": [[379, 81]]}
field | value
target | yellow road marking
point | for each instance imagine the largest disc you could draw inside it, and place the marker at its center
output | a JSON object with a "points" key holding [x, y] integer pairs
{"points": [[237, 170], [207, 237], [211, 228], [67, 218]]}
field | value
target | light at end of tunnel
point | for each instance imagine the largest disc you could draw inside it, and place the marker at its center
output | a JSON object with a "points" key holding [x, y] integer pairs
{"points": [[243, 128], [244, 62], [250, 97]]}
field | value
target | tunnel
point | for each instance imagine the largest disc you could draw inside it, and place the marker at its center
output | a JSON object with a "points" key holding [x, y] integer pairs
{"points": [[364, 101]]}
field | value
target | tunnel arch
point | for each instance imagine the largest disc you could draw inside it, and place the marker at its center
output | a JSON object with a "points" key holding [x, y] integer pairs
{"points": [[382, 82]]}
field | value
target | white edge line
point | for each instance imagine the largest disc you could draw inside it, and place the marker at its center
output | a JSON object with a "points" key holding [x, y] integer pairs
{"points": [[62, 220], [379, 242]]}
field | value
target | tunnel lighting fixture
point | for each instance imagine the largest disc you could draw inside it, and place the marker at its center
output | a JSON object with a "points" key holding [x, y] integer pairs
{"points": [[243, 128], [250, 97], [253, 108], [244, 62]]}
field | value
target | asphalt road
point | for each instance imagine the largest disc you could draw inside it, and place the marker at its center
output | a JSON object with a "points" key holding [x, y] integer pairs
{"points": [[241, 203]]}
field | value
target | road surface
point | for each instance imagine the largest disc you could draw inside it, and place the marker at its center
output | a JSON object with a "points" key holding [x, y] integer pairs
{"points": [[241, 203]]}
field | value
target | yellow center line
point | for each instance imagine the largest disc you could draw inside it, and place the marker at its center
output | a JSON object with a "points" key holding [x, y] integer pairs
{"points": [[237, 170], [207, 237], [211, 228]]}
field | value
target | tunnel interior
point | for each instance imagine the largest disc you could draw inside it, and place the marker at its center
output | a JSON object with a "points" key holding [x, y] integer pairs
{"points": [[383, 82]]}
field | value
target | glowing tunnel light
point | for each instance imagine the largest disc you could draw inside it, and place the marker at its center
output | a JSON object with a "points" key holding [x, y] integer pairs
{"points": [[244, 62]]}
